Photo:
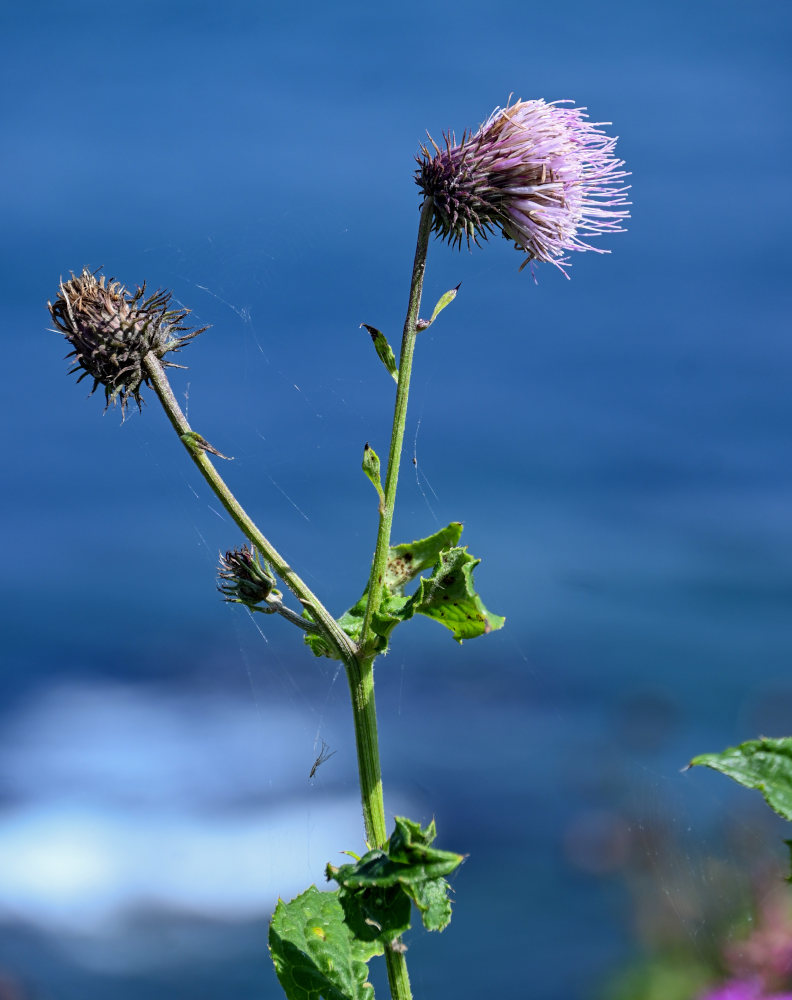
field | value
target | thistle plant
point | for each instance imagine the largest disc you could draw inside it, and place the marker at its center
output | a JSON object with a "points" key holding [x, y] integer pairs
{"points": [[549, 181]]}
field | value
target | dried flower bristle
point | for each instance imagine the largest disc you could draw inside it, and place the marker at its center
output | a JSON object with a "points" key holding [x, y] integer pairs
{"points": [[541, 173], [111, 330], [243, 579]]}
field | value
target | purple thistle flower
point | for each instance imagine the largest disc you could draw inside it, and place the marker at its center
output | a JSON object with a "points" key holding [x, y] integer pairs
{"points": [[541, 173]]}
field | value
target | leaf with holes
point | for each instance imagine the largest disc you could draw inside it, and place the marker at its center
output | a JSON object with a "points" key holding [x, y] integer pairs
{"points": [[406, 561], [449, 597]]}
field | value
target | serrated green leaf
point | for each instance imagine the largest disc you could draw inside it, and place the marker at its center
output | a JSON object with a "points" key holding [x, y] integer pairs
{"points": [[406, 858], [314, 952], [410, 838], [384, 350], [764, 764], [371, 466], [411, 844], [375, 868], [377, 890], [442, 302], [450, 598]]}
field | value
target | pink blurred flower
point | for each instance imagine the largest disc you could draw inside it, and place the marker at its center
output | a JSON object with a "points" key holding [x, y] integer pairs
{"points": [[743, 990], [767, 953]]}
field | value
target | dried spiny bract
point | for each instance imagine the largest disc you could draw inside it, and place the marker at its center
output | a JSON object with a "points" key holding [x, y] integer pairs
{"points": [[243, 579], [112, 330], [541, 173]]}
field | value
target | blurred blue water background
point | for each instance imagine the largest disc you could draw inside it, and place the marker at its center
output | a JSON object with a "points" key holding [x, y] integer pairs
{"points": [[617, 445]]}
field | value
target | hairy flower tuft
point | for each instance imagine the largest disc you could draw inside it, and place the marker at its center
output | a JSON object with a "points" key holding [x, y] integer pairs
{"points": [[541, 173], [112, 330], [243, 579]]}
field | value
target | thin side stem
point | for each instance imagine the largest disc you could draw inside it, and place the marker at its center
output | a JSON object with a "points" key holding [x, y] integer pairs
{"points": [[399, 421], [276, 607], [196, 448]]}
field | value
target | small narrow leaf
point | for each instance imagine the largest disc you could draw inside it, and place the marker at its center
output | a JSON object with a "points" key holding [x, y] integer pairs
{"points": [[371, 466], [764, 764], [449, 597], [196, 444], [384, 350], [315, 953], [443, 301]]}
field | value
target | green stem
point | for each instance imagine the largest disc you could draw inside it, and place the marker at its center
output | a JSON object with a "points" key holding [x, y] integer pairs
{"points": [[361, 674], [361, 688], [398, 979], [399, 421], [361, 677], [364, 713], [327, 624]]}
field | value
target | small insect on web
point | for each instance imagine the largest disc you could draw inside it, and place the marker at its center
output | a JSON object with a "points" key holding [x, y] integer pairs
{"points": [[324, 754]]}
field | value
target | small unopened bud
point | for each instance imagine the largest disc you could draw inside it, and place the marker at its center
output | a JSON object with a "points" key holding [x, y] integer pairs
{"points": [[243, 579], [111, 330]]}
